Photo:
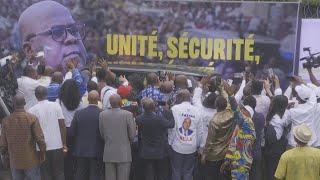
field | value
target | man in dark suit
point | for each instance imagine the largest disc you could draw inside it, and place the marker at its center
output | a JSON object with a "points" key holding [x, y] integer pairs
{"points": [[153, 140], [118, 129], [87, 143]]}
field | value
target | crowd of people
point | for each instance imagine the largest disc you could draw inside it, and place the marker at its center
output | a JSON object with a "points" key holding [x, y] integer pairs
{"points": [[95, 124], [74, 118]]}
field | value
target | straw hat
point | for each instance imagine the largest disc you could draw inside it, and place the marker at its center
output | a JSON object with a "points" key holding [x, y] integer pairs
{"points": [[302, 133]]}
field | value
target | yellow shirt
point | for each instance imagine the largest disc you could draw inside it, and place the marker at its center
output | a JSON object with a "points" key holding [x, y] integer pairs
{"points": [[301, 163]]}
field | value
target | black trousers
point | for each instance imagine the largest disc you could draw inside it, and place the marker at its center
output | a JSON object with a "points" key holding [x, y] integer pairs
{"points": [[69, 162], [212, 171], [89, 169], [53, 166], [271, 166], [256, 170], [156, 169]]}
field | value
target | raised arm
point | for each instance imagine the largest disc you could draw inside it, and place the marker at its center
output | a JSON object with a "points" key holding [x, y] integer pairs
{"points": [[313, 79], [239, 94]]}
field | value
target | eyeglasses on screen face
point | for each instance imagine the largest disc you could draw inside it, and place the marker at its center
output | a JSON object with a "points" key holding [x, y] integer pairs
{"points": [[59, 33]]}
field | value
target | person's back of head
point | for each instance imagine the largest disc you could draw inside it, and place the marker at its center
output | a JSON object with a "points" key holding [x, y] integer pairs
{"points": [[101, 75], [136, 81], [93, 97], [247, 91], [278, 106], [302, 134], [41, 93], [41, 69], [115, 101], [91, 85], [69, 95], [256, 87], [209, 101], [152, 79], [148, 105], [19, 101], [181, 81], [166, 87], [250, 101], [48, 71], [183, 96], [110, 79], [221, 103], [30, 72], [212, 86], [57, 77]]}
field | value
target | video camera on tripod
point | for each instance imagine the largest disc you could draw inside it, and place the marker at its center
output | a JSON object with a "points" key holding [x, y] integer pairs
{"points": [[313, 61]]}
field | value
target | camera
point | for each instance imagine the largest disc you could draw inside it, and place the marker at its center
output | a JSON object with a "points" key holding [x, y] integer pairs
{"points": [[312, 61]]}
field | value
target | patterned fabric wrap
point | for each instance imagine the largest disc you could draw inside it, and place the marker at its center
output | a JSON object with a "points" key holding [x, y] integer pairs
{"points": [[239, 153]]}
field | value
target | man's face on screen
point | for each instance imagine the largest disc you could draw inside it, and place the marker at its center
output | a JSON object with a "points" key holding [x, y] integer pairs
{"points": [[55, 32]]}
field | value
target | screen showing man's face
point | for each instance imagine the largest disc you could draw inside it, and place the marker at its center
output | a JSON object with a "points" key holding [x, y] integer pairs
{"points": [[62, 43]]}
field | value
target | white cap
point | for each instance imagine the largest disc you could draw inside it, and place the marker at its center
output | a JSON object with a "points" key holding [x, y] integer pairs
{"points": [[303, 92]]}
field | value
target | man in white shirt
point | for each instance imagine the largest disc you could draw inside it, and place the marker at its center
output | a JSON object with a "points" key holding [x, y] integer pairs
{"points": [[263, 101], [52, 124], [185, 137], [207, 107], [108, 91], [27, 85], [45, 78], [303, 112]]}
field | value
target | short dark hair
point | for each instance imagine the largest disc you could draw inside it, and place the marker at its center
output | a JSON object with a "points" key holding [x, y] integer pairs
{"points": [[209, 101], [250, 101], [91, 85], [148, 105], [41, 92], [256, 87], [41, 69], [29, 71], [221, 103], [110, 80], [152, 79], [101, 75]]}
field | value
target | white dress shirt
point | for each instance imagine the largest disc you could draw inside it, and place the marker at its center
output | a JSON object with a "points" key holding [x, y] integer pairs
{"points": [[189, 143], [48, 114], [206, 113], [68, 76], [45, 81], [263, 103], [106, 93], [68, 115], [278, 124], [303, 113], [27, 87]]}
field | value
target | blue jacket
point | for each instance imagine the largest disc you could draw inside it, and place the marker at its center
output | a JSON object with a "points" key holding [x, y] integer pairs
{"points": [[84, 130]]}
